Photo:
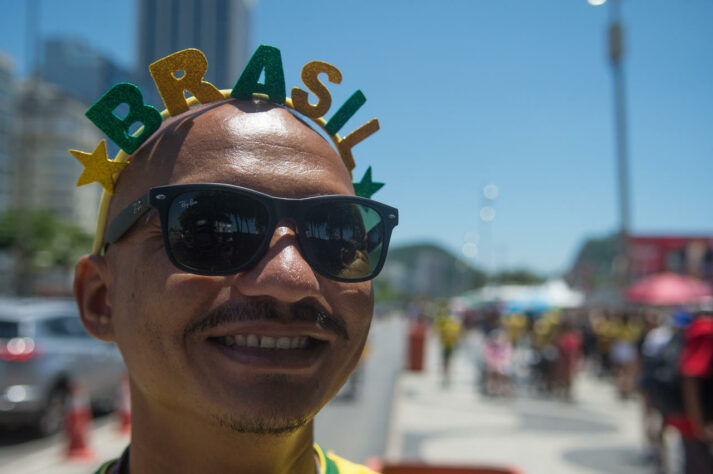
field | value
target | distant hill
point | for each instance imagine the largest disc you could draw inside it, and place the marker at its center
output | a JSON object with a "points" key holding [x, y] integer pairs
{"points": [[425, 270], [595, 264]]}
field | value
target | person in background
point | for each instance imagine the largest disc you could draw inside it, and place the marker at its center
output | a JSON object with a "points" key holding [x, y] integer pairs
{"points": [[516, 326], [498, 353], [602, 324], [624, 356], [660, 384], [449, 329], [697, 370], [569, 348], [546, 354]]}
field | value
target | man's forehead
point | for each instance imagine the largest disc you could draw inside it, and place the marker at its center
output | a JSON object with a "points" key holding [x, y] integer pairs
{"points": [[201, 144]]}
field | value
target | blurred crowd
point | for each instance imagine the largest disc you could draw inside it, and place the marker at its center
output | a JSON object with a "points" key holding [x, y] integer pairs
{"points": [[659, 358]]}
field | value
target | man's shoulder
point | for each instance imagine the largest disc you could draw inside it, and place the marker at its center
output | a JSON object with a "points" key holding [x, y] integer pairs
{"points": [[333, 464], [115, 466], [348, 467], [107, 467]]}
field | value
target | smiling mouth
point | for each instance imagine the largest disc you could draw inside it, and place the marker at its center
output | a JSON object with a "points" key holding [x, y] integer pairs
{"points": [[272, 353], [266, 342]]}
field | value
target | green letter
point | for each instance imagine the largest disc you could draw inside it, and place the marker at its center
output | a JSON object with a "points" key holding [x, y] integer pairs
{"points": [[345, 112], [269, 59], [102, 114]]}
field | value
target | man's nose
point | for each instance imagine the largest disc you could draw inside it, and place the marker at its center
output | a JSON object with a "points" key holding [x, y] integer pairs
{"points": [[282, 273]]}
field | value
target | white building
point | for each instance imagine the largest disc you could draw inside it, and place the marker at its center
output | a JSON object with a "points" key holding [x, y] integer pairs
{"points": [[50, 122], [79, 69], [6, 123]]}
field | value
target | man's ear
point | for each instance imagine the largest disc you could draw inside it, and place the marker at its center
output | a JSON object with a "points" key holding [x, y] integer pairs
{"points": [[91, 282]]}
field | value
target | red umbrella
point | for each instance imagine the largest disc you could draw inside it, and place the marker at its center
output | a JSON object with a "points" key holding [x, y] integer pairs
{"points": [[668, 289]]}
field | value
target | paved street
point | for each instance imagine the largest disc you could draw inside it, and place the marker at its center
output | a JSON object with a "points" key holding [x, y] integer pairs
{"points": [[595, 434], [357, 428], [47, 455]]}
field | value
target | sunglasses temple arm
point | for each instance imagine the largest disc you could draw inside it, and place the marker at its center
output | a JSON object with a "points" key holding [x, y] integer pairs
{"points": [[126, 219]]}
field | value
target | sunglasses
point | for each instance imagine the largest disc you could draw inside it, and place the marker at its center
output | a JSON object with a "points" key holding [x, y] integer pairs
{"points": [[221, 229]]}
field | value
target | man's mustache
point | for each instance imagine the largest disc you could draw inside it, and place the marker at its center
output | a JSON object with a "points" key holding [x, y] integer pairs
{"points": [[266, 310]]}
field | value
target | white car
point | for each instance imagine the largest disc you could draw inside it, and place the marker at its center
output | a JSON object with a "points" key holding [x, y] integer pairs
{"points": [[45, 350]]}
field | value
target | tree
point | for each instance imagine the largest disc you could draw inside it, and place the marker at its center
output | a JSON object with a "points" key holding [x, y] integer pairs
{"points": [[42, 241], [518, 277]]}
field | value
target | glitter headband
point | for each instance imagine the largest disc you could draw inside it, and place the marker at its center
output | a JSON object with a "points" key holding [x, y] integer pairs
{"points": [[193, 63]]}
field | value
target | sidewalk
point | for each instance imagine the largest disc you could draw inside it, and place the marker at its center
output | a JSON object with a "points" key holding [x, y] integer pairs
{"points": [[597, 433], [106, 443]]}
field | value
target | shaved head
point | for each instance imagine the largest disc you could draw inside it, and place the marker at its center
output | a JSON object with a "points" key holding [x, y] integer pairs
{"points": [[184, 145]]}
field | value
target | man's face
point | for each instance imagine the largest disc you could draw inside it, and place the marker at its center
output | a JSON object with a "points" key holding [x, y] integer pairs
{"points": [[175, 329]]}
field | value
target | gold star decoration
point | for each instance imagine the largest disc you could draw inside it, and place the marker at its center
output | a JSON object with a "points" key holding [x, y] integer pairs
{"points": [[98, 167]]}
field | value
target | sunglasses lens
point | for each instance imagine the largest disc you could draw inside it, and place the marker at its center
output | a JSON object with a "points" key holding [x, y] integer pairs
{"points": [[215, 231], [343, 240]]}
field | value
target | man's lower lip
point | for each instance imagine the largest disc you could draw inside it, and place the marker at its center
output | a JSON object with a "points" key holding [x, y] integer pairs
{"points": [[272, 360]]}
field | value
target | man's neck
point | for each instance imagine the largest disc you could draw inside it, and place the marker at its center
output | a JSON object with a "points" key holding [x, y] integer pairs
{"points": [[165, 441]]}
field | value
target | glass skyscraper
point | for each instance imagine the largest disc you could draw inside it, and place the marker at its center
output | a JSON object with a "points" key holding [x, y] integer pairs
{"points": [[219, 28]]}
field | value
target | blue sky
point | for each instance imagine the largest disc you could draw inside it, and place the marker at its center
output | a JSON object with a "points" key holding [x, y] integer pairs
{"points": [[516, 93]]}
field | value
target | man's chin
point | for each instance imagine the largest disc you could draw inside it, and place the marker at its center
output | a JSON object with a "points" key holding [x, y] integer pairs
{"points": [[274, 425], [265, 405]]}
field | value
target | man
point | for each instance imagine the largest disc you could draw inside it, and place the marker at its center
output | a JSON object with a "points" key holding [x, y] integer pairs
{"points": [[696, 367], [660, 384], [238, 315], [449, 332]]}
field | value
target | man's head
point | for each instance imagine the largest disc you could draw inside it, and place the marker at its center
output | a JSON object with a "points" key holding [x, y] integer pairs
{"points": [[187, 338]]}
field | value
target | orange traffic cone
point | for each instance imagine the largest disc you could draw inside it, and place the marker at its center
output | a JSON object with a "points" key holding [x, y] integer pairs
{"points": [[77, 424], [123, 405]]}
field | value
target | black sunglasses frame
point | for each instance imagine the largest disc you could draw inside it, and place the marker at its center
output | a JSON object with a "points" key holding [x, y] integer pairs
{"points": [[161, 198]]}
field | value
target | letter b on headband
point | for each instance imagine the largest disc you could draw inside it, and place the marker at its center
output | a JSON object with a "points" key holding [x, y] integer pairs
{"points": [[102, 115]]}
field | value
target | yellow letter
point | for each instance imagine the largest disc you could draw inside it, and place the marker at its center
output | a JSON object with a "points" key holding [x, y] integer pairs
{"points": [[345, 144], [310, 77], [194, 65]]}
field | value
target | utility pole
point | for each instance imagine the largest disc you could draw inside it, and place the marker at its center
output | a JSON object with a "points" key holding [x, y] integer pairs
{"points": [[616, 53], [616, 56]]}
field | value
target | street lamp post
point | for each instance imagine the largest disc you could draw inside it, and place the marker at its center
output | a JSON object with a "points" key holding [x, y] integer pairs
{"points": [[487, 216], [616, 54]]}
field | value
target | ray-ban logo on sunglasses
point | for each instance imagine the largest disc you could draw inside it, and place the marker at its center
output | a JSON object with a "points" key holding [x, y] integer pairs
{"points": [[186, 203]]}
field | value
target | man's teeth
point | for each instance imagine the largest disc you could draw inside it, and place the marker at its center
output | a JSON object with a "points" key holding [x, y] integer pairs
{"points": [[264, 342]]}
